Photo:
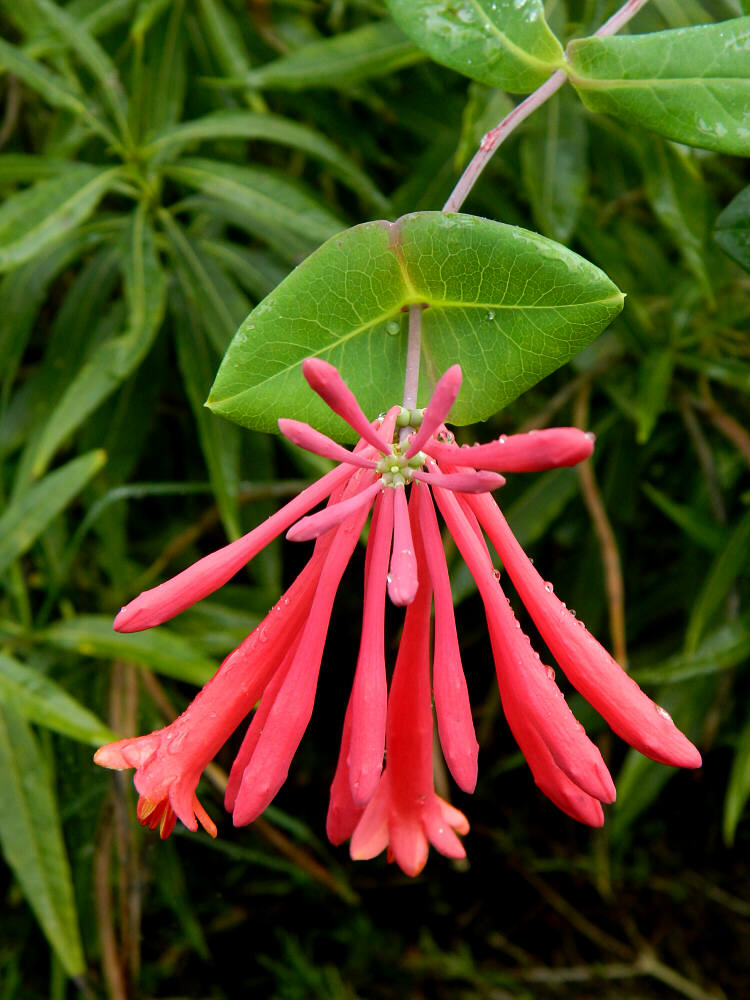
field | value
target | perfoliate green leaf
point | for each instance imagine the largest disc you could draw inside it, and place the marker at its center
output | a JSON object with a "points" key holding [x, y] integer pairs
{"points": [[509, 305], [158, 649], [348, 58], [29, 513], [690, 84], [504, 43], [31, 839], [35, 218], [41, 700], [732, 231]]}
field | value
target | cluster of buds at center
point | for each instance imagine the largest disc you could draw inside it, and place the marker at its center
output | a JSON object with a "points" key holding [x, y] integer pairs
{"points": [[393, 805]]}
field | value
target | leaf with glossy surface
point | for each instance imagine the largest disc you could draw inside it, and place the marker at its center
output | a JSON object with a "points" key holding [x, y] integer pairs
{"points": [[504, 43], [689, 84], [159, 649], [508, 305], [26, 517], [31, 839], [34, 219], [41, 700], [732, 231]]}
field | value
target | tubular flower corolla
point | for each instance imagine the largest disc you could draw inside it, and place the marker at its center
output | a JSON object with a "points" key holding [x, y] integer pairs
{"points": [[403, 467]]}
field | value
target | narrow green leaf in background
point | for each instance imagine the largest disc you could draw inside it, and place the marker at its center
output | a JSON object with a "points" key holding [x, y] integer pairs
{"points": [[689, 84], [370, 51], [261, 194], [508, 305], [91, 54], [115, 359], [732, 231], [159, 649], [504, 43], [653, 389], [41, 700], [51, 86], [677, 194], [271, 128], [729, 563], [555, 165], [26, 517], [738, 789], [31, 839], [36, 218]]}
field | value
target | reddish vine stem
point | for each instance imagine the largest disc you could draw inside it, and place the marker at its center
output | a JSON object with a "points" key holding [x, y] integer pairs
{"points": [[489, 145]]}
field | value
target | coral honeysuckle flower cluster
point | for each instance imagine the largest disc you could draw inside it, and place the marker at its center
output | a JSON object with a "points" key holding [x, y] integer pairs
{"points": [[405, 464]]}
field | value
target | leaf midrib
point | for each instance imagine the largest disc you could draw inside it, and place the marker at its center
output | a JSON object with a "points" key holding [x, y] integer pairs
{"points": [[332, 345]]}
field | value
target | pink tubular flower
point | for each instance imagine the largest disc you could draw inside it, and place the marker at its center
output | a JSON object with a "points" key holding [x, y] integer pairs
{"points": [[275, 670]]}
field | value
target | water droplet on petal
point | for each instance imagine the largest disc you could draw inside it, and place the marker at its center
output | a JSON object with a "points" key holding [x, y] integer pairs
{"points": [[549, 671], [496, 574], [548, 587], [663, 713]]}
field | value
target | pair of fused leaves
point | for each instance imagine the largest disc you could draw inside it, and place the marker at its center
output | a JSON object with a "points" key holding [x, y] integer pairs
{"points": [[688, 84], [507, 305]]}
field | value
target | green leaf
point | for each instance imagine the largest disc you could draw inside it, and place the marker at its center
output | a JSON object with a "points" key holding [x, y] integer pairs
{"points": [[694, 523], [219, 442], [730, 371], [641, 780], [506, 44], [727, 566], [272, 128], [28, 514], [508, 305], [257, 271], [225, 37], [114, 360], [32, 842], [655, 379], [260, 194], [41, 700], [677, 194], [738, 789], [32, 220], [370, 51], [690, 84], [158, 649], [732, 231], [91, 54], [554, 161], [722, 650], [53, 88]]}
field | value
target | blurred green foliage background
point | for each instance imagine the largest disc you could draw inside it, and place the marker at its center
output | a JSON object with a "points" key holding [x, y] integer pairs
{"points": [[163, 165]]}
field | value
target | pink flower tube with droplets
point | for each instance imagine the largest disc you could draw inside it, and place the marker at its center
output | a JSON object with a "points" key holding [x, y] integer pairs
{"points": [[276, 668]]}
